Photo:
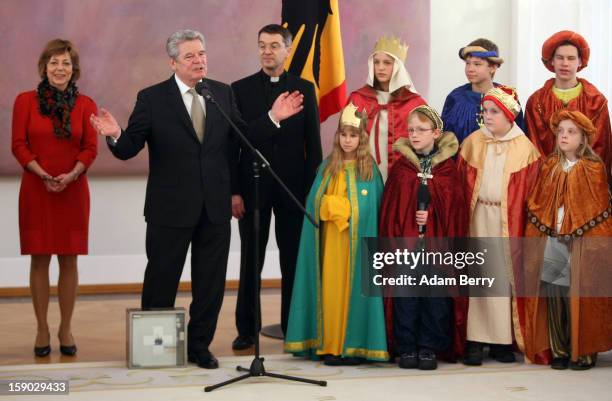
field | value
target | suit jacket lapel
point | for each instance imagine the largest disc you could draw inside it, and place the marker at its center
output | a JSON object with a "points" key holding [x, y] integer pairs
{"points": [[176, 100]]}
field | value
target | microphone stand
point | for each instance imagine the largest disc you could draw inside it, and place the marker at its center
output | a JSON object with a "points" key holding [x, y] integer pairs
{"points": [[257, 367]]}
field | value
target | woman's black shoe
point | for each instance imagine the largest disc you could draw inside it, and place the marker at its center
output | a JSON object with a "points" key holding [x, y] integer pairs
{"points": [[42, 351], [68, 350]]}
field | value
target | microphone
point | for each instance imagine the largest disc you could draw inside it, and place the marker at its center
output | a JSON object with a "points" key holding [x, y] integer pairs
{"points": [[422, 203], [202, 89]]}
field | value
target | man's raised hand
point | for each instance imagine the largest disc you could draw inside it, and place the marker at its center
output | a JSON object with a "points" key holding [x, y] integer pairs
{"points": [[105, 124], [286, 105]]}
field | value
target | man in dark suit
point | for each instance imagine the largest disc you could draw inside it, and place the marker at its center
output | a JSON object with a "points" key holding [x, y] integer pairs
{"points": [[193, 156], [294, 152]]}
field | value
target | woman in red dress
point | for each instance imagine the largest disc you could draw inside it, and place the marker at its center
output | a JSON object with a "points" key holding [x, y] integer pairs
{"points": [[55, 143]]}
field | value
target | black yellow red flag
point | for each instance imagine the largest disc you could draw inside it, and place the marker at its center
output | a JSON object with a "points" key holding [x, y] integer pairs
{"points": [[317, 50]]}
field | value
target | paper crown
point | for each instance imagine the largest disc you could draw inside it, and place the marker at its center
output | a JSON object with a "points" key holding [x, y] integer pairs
{"points": [[392, 45], [506, 98], [351, 116]]}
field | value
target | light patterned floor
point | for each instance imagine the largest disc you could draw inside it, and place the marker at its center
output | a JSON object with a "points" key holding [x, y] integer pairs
{"points": [[492, 381]]}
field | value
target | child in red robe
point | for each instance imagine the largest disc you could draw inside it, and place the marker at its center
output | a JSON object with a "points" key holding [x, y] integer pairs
{"points": [[421, 327], [566, 53]]}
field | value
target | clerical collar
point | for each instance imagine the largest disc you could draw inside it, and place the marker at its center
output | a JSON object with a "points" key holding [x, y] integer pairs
{"points": [[273, 80]]}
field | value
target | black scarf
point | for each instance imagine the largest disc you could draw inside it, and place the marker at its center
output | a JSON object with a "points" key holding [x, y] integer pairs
{"points": [[57, 105]]}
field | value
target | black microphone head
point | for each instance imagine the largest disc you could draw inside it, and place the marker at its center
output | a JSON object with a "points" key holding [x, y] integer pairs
{"points": [[201, 88], [423, 195]]}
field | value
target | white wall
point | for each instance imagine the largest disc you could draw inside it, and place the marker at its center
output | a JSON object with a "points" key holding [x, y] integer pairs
{"points": [[117, 235]]}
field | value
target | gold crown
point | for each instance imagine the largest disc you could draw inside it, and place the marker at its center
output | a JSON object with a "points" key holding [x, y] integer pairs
{"points": [[392, 45], [350, 116]]}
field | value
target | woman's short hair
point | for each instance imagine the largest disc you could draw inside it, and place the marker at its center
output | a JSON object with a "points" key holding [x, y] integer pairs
{"points": [[55, 47]]}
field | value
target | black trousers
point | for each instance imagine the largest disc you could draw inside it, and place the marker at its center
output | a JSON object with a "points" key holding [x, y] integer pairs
{"points": [[288, 227], [422, 323], [166, 252]]}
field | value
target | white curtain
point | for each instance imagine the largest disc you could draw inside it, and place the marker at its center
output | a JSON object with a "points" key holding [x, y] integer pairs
{"points": [[533, 21]]}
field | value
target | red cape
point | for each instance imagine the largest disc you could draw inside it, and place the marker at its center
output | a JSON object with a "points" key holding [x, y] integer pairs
{"points": [[447, 217], [447, 208], [402, 102]]}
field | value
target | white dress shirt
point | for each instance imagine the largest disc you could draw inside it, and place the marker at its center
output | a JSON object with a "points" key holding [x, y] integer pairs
{"points": [[188, 97]]}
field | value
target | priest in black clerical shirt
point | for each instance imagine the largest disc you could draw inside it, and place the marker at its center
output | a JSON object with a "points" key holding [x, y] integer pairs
{"points": [[294, 152]]}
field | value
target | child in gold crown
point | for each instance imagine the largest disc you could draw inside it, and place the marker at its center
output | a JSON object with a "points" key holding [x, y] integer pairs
{"points": [[388, 97], [329, 318]]}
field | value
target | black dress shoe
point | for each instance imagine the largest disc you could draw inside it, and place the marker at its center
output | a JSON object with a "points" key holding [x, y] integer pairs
{"points": [[204, 359], [502, 353], [242, 342], [559, 363], [473, 354], [582, 363], [42, 351], [427, 360], [409, 360]]}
